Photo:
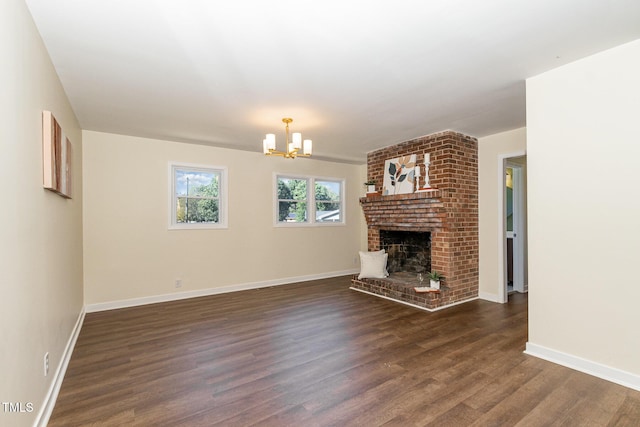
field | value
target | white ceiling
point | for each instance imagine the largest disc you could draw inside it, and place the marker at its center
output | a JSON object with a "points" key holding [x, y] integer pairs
{"points": [[355, 75]]}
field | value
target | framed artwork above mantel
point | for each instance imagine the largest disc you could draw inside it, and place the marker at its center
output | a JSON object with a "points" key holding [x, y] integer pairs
{"points": [[399, 175]]}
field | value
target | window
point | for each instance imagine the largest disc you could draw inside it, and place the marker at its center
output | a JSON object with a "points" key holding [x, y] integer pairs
{"points": [[198, 196], [297, 204]]}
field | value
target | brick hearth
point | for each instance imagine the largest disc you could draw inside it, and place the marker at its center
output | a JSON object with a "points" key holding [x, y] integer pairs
{"points": [[449, 213]]}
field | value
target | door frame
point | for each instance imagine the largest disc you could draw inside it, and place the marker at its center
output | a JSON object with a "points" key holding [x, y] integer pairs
{"points": [[519, 284], [503, 163]]}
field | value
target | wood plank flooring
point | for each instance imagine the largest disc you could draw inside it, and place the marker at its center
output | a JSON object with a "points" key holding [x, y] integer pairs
{"points": [[319, 354]]}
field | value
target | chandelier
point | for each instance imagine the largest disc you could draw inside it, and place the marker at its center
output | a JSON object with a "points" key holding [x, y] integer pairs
{"points": [[293, 145]]}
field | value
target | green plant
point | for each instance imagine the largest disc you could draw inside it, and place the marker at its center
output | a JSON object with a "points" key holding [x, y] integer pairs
{"points": [[370, 182], [435, 276]]}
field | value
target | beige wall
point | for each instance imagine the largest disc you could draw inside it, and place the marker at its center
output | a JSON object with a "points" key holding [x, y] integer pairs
{"points": [[131, 254], [41, 245], [584, 237], [492, 150]]}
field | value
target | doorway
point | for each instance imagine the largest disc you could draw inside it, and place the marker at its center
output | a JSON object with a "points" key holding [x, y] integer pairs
{"points": [[512, 226]]}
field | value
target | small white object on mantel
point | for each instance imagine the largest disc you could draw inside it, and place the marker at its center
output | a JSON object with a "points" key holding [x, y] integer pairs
{"points": [[427, 162]]}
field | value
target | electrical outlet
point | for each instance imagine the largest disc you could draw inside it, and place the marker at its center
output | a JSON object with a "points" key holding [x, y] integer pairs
{"points": [[178, 283], [46, 364]]}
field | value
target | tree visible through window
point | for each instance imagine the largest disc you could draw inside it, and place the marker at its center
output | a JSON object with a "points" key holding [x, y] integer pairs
{"points": [[292, 200], [328, 203], [197, 198], [295, 206]]}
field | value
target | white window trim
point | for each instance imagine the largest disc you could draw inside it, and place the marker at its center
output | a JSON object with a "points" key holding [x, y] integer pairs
{"points": [[222, 197], [310, 199]]}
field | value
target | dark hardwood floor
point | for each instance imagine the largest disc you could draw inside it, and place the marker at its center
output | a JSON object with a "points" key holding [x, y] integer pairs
{"points": [[319, 354]]}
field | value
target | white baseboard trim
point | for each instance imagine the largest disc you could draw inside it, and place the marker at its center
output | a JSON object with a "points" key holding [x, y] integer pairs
{"points": [[52, 394], [490, 297], [413, 305], [604, 372], [91, 308]]}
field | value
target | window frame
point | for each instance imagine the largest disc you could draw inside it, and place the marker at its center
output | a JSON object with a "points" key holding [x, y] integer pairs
{"points": [[223, 205], [310, 201]]}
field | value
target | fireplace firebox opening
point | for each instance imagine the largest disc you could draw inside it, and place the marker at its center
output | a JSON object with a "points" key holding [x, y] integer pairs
{"points": [[409, 251]]}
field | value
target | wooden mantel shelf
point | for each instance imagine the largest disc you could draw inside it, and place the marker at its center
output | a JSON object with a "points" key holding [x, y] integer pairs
{"points": [[431, 194]]}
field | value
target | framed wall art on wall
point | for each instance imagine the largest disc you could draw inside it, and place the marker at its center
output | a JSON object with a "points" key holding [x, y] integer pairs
{"points": [[399, 175], [56, 157]]}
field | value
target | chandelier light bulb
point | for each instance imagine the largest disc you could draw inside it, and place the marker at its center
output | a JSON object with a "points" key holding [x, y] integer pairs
{"points": [[296, 140], [271, 141]]}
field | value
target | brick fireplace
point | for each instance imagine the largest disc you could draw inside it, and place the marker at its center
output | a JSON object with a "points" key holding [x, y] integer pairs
{"points": [[449, 212]]}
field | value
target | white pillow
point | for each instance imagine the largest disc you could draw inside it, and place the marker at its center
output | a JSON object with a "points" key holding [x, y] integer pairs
{"points": [[373, 265]]}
